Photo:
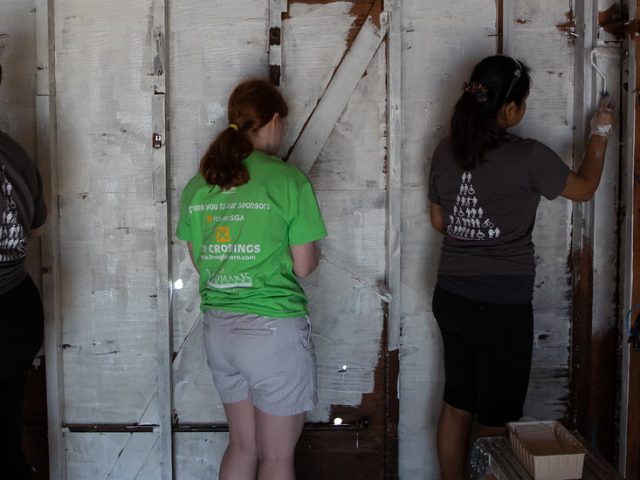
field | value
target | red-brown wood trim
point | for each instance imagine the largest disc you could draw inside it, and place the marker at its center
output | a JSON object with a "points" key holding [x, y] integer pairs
{"points": [[633, 414], [392, 404], [34, 422], [581, 317], [594, 355], [366, 453]]}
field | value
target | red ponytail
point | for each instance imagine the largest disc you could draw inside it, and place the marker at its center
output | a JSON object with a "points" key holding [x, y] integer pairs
{"points": [[252, 104]]}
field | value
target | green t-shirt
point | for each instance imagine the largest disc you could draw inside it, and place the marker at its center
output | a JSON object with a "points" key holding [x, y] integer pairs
{"points": [[240, 237]]}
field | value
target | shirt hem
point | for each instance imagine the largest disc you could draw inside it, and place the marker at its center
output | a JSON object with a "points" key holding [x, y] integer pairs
{"points": [[262, 313]]}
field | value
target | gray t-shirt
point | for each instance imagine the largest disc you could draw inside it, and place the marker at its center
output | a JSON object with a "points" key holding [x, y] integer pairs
{"points": [[490, 211], [22, 209]]}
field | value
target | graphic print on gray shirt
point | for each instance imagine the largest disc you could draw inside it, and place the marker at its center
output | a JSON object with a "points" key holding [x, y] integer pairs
{"points": [[13, 240], [22, 209], [490, 211], [468, 221]]}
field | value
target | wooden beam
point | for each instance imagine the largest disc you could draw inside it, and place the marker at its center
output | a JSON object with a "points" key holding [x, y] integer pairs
{"points": [[276, 9], [581, 248], [163, 279], [158, 413], [314, 134], [504, 24], [50, 245], [394, 170], [630, 442]]}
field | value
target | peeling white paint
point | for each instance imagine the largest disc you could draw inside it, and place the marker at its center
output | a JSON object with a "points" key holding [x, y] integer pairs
{"points": [[313, 43]]}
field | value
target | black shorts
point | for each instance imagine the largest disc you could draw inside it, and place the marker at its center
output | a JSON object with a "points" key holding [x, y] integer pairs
{"points": [[487, 355]]}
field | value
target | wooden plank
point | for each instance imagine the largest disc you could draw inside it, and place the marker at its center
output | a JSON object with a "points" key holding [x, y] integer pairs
{"points": [[130, 459], [163, 307], [394, 169], [631, 452], [504, 22], [606, 253], [321, 122], [582, 255], [45, 130], [595, 250], [276, 9]]}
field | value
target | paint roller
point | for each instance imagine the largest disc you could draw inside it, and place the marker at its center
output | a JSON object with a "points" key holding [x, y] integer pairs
{"points": [[611, 52]]}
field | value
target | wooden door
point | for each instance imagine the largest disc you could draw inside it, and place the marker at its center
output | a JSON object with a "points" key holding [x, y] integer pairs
{"points": [[329, 59]]}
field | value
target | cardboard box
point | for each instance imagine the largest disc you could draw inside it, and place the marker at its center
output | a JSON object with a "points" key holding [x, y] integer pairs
{"points": [[547, 450]]}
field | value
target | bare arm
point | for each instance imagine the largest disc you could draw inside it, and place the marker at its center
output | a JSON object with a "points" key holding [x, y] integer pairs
{"points": [[305, 259], [581, 185], [437, 217]]}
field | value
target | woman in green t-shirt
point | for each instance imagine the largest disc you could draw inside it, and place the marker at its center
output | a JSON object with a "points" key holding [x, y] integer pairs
{"points": [[251, 221]]}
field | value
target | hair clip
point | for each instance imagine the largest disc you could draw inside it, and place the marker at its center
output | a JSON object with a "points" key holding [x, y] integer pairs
{"points": [[517, 73], [478, 90]]}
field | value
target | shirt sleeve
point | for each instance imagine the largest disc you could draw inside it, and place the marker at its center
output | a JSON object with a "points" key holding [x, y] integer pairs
{"points": [[40, 207], [433, 177], [549, 173], [183, 230], [306, 223]]}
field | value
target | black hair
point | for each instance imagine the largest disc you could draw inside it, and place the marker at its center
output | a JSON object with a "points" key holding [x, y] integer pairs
{"points": [[495, 81]]}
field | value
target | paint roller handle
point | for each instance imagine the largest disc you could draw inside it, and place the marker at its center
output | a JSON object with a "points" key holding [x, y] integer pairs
{"points": [[603, 119]]}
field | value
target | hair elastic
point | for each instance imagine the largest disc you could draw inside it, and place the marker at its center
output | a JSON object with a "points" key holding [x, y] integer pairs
{"points": [[478, 90], [234, 126]]}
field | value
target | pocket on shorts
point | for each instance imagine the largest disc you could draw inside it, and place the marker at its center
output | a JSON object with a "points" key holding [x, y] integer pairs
{"points": [[256, 332], [305, 336]]}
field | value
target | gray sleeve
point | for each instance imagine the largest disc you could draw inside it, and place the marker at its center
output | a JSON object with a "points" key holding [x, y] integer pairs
{"points": [[548, 173], [433, 176], [40, 212]]}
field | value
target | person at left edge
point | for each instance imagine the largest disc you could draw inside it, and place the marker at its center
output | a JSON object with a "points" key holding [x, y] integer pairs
{"points": [[22, 213], [251, 221]]}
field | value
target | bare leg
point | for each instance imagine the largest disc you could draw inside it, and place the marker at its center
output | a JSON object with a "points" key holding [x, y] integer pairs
{"points": [[453, 442], [240, 459], [277, 437]]}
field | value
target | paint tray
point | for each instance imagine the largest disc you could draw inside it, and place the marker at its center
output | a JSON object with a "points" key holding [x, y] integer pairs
{"points": [[547, 450]]}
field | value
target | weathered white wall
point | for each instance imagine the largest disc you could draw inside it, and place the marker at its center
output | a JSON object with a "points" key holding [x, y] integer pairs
{"points": [[550, 119], [106, 228], [106, 216]]}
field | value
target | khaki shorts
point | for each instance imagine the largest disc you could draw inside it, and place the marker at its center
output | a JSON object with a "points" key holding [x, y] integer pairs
{"points": [[270, 361]]}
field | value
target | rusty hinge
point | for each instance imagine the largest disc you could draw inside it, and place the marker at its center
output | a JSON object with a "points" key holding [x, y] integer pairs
{"points": [[629, 28]]}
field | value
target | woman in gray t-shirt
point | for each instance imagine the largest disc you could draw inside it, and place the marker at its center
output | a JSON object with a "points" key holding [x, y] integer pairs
{"points": [[484, 188]]}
